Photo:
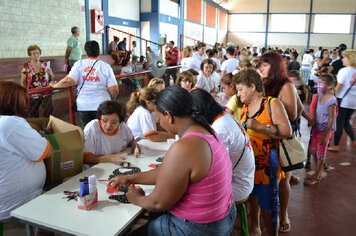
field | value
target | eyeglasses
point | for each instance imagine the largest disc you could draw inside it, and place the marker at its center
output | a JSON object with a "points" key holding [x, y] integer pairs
{"points": [[110, 122]]}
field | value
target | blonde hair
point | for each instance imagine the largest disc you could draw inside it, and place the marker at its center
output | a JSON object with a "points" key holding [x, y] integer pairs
{"points": [[351, 55], [155, 82], [187, 51], [140, 98]]}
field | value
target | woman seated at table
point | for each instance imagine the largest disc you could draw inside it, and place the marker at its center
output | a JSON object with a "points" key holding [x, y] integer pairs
{"points": [[142, 120], [108, 136], [22, 171], [264, 128], [189, 184]]}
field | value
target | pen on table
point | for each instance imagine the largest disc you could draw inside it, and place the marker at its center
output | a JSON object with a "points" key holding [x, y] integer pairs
{"points": [[103, 180]]}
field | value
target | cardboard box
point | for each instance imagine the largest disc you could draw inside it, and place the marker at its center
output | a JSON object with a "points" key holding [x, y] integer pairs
{"points": [[67, 144]]}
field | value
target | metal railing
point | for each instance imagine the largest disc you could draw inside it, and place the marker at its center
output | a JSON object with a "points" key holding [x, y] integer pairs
{"points": [[195, 41], [59, 102], [130, 36]]}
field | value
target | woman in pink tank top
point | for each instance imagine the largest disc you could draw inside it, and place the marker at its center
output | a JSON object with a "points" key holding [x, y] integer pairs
{"points": [[193, 184]]}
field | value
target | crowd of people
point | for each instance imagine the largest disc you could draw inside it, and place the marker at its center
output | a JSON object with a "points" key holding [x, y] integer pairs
{"points": [[229, 107]]}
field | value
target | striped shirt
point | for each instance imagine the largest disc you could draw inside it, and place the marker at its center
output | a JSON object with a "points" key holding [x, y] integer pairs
{"points": [[209, 199]]}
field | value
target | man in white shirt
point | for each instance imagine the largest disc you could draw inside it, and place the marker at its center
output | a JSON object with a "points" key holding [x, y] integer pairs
{"points": [[198, 57], [231, 63]]}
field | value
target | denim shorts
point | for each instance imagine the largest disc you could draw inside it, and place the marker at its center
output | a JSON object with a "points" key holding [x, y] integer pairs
{"points": [[169, 224]]}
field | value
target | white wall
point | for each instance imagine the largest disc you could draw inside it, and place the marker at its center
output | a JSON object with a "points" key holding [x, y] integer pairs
{"points": [[209, 35], [125, 9], [45, 23], [286, 39], [194, 31], [168, 7], [145, 33], [170, 30]]}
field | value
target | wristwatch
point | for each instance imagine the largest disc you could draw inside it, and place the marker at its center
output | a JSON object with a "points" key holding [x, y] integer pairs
{"points": [[268, 127]]}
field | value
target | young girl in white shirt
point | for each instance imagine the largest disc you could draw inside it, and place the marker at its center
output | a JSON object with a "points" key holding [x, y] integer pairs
{"points": [[142, 120]]}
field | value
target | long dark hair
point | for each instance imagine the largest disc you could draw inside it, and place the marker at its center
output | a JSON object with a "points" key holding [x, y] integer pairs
{"points": [[206, 104], [179, 102], [277, 75]]}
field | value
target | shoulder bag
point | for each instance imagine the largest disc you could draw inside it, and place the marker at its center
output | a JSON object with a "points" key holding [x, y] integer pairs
{"points": [[74, 106], [292, 153]]}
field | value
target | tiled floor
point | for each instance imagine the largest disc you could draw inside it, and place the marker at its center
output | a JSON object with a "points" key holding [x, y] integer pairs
{"points": [[325, 209]]}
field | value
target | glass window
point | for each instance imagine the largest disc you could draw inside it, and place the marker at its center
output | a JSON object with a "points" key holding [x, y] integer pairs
{"points": [[246, 22], [288, 22], [327, 23]]}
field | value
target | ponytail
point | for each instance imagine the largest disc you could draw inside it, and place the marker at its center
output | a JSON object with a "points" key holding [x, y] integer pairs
{"points": [[200, 119], [179, 102], [140, 98], [132, 103]]}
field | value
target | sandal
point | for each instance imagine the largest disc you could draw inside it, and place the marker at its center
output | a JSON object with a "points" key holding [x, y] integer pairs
{"points": [[334, 149], [312, 180], [285, 228]]}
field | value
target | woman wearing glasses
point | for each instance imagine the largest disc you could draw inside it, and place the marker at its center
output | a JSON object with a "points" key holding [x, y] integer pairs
{"points": [[107, 137]]}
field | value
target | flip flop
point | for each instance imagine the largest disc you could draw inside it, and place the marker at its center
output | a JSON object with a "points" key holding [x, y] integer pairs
{"points": [[312, 181], [285, 228], [333, 149]]}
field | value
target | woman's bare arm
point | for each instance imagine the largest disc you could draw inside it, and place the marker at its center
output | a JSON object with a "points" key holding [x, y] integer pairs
{"points": [[287, 96]]}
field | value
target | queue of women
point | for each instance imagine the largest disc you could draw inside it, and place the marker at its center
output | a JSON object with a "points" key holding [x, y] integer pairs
{"points": [[222, 159]]}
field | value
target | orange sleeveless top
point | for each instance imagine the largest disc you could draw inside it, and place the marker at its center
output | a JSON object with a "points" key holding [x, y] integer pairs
{"points": [[261, 143]]}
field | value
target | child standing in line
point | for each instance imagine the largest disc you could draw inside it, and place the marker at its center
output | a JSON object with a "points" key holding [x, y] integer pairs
{"points": [[324, 124]]}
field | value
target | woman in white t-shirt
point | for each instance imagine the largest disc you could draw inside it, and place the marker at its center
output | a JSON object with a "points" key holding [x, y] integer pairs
{"points": [[186, 61], [307, 62], [107, 137], [142, 120], [95, 82], [346, 93], [236, 141], [207, 80], [22, 150], [234, 138]]}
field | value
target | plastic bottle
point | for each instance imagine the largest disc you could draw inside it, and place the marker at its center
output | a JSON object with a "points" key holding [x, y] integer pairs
{"points": [[136, 152]]}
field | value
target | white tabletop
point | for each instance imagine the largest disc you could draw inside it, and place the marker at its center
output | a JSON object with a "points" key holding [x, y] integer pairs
{"points": [[159, 146], [108, 217]]}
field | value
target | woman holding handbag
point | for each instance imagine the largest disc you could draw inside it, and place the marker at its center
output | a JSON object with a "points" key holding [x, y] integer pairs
{"points": [[346, 94], [263, 127], [273, 71], [95, 82]]}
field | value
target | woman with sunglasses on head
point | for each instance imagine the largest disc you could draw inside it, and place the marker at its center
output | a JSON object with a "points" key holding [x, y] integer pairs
{"points": [[190, 185], [107, 137]]}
